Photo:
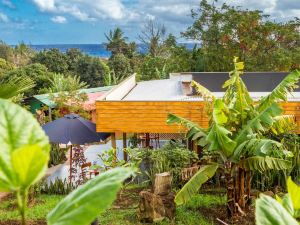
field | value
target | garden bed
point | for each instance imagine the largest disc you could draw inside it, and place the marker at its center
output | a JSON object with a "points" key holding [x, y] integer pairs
{"points": [[203, 209]]}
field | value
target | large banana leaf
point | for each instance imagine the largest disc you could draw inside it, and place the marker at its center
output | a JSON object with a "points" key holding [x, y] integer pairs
{"points": [[203, 91], [218, 138], [255, 147], [269, 212], [287, 85], [194, 130], [284, 124], [294, 192], [84, 204], [261, 164], [261, 122], [194, 184]]}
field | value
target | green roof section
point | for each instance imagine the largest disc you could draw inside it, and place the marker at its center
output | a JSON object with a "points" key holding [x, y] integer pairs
{"points": [[46, 100]]}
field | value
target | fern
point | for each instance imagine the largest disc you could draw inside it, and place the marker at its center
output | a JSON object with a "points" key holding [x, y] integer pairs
{"points": [[287, 85]]}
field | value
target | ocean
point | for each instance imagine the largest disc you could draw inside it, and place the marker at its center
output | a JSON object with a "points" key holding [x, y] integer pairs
{"points": [[89, 49], [97, 50]]}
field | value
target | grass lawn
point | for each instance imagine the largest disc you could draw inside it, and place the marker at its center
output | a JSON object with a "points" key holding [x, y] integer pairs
{"points": [[123, 212]]}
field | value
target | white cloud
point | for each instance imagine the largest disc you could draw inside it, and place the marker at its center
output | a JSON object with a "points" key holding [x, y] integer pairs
{"points": [[3, 18], [85, 10], [45, 5], [59, 19], [8, 4]]}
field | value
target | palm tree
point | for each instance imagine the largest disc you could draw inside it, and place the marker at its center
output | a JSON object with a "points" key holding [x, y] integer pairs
{"points": [[116, 41], [237, 135], [60, 83], [15, 86]]}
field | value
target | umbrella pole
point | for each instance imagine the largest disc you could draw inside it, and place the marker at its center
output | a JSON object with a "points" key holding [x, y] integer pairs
{"points": [[71, 164]]}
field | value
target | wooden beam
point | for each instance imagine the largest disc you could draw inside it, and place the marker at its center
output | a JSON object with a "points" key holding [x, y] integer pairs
{"points": [[124, 147]]}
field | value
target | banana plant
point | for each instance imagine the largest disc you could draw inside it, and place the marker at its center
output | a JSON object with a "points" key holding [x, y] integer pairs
{"points": [[24, 155], [286, 210], [237, 133]]}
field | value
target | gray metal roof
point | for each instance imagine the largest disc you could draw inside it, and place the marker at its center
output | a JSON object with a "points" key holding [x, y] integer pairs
{"points": [[255, 81]]}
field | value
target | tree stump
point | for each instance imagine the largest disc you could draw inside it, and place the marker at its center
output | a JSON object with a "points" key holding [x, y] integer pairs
{"points": [[158, 203], [153, 207], [162, 184]]}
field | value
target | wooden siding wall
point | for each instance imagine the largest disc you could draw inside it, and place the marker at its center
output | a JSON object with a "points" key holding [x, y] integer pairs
{"points": [[150, 116]]}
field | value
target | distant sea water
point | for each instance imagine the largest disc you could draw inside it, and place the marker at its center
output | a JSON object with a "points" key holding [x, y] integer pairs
{"points": [[97, 50], [89, 49]]}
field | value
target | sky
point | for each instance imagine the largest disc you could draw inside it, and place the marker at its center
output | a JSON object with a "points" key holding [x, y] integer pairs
{"points": [[86, 21]]}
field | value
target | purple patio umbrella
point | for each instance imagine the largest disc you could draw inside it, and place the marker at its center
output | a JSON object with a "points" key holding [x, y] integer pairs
{"points": [[73, 129]]}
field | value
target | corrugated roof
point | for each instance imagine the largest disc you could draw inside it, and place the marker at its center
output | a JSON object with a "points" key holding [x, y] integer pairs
{"points": [[45, 98], [161, 90]]}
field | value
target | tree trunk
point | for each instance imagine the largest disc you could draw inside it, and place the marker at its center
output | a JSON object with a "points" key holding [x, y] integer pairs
{"points": [[238, 183]]}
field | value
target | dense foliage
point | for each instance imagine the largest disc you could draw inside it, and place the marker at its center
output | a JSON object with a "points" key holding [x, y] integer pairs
{"points": [[238, 132], [221, 31]]}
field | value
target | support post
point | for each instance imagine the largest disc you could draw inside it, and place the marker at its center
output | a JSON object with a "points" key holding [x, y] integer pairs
{"points": [[71, 156], [50, 113], [147, 141], [114, 146], [124, 147]]}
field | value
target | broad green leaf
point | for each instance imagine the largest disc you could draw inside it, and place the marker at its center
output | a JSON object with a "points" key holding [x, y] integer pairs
{"points": [[287, 85], [84, 204], [294, 192], [219, 116], [203, 91], [269, 212], [261, 122], [18, 128], [287, 204], [262, 164], [219, 139], [29, 164], [194, 184]]}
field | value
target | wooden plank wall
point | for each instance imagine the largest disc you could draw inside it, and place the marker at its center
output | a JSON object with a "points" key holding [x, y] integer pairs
{"points": [[146, 117], [150, 116]]}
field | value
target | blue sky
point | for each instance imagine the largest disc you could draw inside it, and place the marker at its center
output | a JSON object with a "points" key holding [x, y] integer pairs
{"points": [[86, 21]]}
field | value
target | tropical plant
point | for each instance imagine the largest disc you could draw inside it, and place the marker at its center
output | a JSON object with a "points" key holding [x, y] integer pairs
{"points": [[57, 155], [60, 83], [56, 187], [24, 153], [284, 211], [237, 133], [15, 87]]}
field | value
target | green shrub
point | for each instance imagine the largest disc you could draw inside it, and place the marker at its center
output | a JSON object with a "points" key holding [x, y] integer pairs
{"points": [[57, 187]]}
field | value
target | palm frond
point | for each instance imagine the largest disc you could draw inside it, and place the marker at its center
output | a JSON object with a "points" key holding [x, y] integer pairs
{"points": [[194, 184], [261, 164], [287, 85], [284, 124], [15, 86], [261, 122]]}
